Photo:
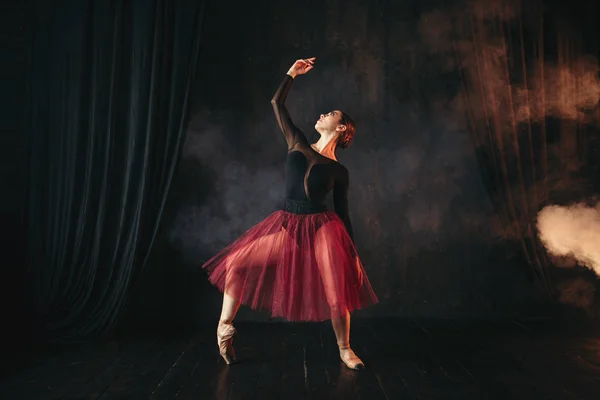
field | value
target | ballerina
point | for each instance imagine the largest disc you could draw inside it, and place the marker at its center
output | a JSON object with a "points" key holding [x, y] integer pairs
{"points": [[300, 262]]}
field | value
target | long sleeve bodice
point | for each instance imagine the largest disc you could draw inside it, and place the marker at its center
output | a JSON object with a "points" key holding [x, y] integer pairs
{"points": [[310, 176]]}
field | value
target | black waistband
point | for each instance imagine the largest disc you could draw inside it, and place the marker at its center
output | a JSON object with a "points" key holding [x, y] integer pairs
{"points": [[303, 207]]}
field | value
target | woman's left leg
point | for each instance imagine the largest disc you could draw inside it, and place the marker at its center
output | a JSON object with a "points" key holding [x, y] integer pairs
{"points": [[340, 316], [341, 327]]}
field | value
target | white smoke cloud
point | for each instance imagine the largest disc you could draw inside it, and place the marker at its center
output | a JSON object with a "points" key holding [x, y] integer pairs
{"points": [[572, 231]]}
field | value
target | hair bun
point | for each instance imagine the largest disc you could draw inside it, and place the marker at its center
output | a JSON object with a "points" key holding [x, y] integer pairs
{"points": [[347, 136]]}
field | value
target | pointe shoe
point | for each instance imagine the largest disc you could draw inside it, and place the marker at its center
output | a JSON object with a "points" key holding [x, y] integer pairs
{"points": [[350, 358], [225, 333]]}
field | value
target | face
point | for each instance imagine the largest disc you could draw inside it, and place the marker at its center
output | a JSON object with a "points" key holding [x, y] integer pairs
{"points": [[329, 122]]}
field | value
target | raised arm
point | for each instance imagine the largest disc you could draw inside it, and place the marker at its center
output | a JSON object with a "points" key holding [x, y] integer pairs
{"points": [[292, 134], [340, 199], [290, 131]]}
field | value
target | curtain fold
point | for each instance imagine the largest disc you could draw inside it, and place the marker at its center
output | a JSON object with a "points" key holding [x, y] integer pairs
{"points": [[110, 87]]}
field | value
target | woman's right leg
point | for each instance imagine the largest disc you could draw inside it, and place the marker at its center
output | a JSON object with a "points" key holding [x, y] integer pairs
{"points": [[229, 309], [262, 251]]}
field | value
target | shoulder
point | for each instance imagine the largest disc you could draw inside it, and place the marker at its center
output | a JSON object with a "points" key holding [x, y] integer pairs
{"points": [[342, 168], [342, 171]]}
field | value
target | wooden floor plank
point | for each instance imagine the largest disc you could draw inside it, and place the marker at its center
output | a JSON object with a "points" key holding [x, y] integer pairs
{"points": [[146, 372], [293, 381], [405, 359], [180, 371], [244, 375], [268, 360], [342, 385], [118, 359], [209, 377], [367, 384], [318, 374], [383, 352]]}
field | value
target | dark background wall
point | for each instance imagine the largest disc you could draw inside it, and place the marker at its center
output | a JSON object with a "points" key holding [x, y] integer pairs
{"points": [[432, 243]]}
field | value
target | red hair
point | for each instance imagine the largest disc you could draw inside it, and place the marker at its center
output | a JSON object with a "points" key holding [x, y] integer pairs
{"points": [[347, 135]]}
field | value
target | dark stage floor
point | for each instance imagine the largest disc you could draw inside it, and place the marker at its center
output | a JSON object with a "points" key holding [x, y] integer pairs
{"points": [[404, 360]]}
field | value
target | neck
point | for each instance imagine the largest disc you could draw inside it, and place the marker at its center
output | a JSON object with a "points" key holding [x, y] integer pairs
{"points": [[326, 146]]}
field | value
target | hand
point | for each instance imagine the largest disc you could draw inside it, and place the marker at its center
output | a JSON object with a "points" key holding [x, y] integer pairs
{"points": [[302, 66]]}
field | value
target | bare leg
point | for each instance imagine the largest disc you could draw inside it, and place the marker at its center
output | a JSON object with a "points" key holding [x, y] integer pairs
{"points": [[253, 254], [264, 249], [229, 309], [225, 329], [341, 325]]}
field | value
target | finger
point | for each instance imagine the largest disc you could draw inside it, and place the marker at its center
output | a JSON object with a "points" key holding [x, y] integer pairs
{"points": [[308, 68]]}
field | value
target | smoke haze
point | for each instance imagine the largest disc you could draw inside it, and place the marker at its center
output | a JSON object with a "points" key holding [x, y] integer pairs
{"points": [[572, 231]]}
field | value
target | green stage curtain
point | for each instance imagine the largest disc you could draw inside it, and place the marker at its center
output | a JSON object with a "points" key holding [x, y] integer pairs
{"points": [[109, 91]]}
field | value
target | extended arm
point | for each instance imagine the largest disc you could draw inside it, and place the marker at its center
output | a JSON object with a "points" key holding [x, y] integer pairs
{"points": [[290, 131], [340, 199]]}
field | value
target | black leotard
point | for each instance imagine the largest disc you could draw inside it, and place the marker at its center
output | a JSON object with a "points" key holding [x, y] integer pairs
{"points": [[309, 175]]}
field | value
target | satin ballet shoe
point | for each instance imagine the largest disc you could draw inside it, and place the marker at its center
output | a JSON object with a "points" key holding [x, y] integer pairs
{"points": [[225, 333], [350, 358]]}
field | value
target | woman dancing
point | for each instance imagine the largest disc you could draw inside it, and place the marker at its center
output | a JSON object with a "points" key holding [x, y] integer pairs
{"points": [[300, 262]]}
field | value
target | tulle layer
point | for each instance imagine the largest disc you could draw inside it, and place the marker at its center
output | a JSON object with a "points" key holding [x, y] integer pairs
{"points": [[302, 267]]}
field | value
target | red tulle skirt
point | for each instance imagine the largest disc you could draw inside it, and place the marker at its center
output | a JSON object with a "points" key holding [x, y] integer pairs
{"points": [[302, 267]]}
